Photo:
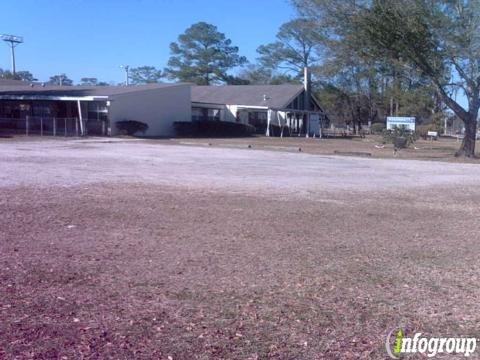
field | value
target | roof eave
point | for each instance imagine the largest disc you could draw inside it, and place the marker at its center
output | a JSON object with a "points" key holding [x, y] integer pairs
{"points": [[53, 98]]}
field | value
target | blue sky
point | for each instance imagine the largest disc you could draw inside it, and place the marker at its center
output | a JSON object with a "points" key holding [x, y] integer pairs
{"points": [[92, 38]]}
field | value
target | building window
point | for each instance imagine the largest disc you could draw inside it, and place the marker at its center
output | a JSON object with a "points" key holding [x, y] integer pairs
{"points": [[41, 110], [259, 120], [24, 107], [97, 111], [214, 114], [205, 114], [197, 114]]}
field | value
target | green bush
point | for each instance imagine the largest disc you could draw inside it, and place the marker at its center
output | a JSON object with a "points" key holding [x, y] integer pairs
{"points": [[131, 127], [377, 128], [422, 130], [400, 137]]}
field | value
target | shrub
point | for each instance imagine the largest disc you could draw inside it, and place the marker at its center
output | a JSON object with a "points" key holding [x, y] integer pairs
{"points": [[212, 129], [377, 128], [422, 130], [400, 137], [131, 127]]}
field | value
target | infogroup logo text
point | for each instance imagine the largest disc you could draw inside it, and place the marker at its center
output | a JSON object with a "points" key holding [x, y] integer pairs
{"points": [[430, 347]]}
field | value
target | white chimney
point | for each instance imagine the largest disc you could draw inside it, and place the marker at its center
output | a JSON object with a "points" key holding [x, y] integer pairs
{"points": [[307, 87]]}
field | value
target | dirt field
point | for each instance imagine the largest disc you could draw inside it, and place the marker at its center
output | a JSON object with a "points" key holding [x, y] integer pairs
{"points": [[133, 249], [441, 150]]}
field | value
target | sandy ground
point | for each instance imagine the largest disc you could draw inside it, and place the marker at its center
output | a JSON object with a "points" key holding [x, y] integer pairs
{"points": [[50, 162], [135, 249], [442, 149]]}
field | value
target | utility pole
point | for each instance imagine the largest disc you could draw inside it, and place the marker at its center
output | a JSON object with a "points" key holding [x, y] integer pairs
{"points": [[12, 41], [126, 68]]}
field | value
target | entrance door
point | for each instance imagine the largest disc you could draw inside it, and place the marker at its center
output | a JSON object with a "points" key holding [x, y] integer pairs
{"points": [[314, 125]]}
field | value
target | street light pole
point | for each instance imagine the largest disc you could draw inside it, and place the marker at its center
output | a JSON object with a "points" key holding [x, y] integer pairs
{"points": [[12, 41], [13, 58]]}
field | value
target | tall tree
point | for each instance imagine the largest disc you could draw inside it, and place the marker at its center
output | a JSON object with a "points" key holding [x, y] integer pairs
{"points": [[61, 80], [145, 75], [420, 41], [346, 81], [203, 55], [89, 81], [298, 45], [25, 76], [440, 39], [259, 75], [423, 47], [19, 75]]}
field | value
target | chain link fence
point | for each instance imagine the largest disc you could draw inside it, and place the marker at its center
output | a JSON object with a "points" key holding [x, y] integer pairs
{"points": [[48, 126]]}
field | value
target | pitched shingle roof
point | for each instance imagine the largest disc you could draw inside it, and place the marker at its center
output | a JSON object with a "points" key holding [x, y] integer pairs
{"points": [[272, 96], [26, 89]]}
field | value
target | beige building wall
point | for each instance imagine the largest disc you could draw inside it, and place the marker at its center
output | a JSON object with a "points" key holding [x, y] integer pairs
{"points": [[158, 108]]}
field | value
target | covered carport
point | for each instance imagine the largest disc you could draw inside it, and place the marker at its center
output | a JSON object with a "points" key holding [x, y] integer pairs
{"points": [[53, 115]]}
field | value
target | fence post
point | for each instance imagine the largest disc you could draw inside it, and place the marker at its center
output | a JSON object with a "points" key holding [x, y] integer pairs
{"points": [[54, 127], [41, 126], [26, 125], [76, 127], [65, 127]]}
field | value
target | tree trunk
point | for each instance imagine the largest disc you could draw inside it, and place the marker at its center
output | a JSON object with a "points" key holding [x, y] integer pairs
{"points": [[468, 144], [354, 122], [469, 119]]}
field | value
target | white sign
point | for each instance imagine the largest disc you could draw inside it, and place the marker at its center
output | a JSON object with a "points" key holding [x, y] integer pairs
{"points": [[432, 134], [398, 121]]}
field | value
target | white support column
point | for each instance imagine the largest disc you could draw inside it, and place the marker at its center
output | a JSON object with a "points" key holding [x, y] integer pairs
{"points": [[280, 124], [288, 116], [80, 117], [307, 125], [321, 120], [269, 119], [299, 126]]}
